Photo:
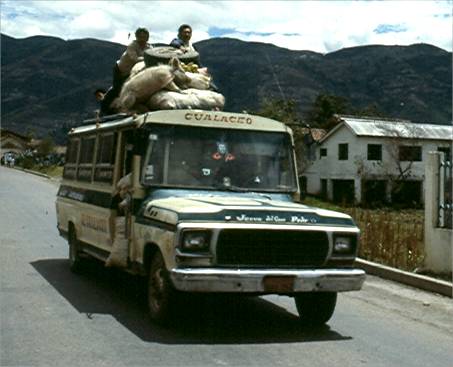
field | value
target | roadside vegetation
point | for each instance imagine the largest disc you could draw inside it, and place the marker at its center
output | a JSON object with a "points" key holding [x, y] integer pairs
{"points": [[41, 158], [392, 237]]}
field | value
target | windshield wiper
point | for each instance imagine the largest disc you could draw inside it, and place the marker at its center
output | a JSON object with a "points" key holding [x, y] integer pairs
{"points": [[230, 188]]}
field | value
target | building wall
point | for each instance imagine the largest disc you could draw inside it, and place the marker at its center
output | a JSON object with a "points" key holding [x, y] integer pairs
{"points": [[357, 167]]}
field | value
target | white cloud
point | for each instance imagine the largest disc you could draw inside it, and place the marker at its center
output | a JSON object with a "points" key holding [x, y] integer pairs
{"points": [[321, 26]]}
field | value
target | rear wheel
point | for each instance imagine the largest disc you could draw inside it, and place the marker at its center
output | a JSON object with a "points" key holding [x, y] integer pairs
{"points": [[161, 295], [315, 308], [75, 260]]}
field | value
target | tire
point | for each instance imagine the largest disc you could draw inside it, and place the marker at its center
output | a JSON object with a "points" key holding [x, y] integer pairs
{"points": [[163, 54], [75, 260], [315, 308], [161, 296]]}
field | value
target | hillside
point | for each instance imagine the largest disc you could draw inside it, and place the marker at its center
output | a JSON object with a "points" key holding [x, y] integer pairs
{"points": [[48, 82]]}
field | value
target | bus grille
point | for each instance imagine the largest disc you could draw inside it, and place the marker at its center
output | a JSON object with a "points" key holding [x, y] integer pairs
{"points": [[276, 248]]}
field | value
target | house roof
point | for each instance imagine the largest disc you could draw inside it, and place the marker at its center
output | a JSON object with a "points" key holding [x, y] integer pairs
{"points": [[387, 128], [5, 133]]}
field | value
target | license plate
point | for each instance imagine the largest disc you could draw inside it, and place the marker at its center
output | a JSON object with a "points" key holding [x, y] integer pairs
{"points": [[278, 284]]}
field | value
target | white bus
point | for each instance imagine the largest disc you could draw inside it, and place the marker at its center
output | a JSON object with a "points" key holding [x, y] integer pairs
{"points": [[208, 203]]}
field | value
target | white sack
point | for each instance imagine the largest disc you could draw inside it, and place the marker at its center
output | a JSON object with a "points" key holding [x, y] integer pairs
{"points": [[198, 80], [139, 66], [186, 80], [189, 98], [143, 85]]}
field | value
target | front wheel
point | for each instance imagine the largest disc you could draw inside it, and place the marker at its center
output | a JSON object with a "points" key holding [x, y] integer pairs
{"points": [[315, 308], [161, 295]]}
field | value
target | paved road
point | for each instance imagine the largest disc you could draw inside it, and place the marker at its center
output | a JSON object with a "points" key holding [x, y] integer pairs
{"points": [[50, 317]]}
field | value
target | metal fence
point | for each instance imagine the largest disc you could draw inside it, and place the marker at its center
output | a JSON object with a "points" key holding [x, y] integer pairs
{"points": [[445, 204]]}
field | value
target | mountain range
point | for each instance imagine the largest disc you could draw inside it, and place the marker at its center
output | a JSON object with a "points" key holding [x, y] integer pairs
{"points": [[48, 82]]}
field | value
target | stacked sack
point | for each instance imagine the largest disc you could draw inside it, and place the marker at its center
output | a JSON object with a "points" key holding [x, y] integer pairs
{"points": [[171, 86]]}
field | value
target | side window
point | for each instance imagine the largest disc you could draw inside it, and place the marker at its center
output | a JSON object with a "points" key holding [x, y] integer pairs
{"points": [[72, 151], [374, 152], [410, 153], [105, 158], [156, 167], [86, 158], [343, 152]]}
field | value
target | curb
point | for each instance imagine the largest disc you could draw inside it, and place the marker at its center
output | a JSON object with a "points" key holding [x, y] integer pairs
{"points": [[37, 173], [33, 172], [405, 277]]}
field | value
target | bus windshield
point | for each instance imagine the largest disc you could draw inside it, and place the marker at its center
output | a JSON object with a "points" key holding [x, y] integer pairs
{"points": [[210, 158]]}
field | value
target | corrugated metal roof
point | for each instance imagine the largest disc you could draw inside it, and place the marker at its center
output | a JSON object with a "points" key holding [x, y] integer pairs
{"points": [[405, 129]]}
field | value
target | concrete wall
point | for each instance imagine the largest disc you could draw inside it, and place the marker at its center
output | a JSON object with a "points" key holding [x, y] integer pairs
{"points": [[438, 241]]}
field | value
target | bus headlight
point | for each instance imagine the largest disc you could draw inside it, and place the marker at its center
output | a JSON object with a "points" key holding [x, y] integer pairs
{"points": [[195, 240], [343, 245]]}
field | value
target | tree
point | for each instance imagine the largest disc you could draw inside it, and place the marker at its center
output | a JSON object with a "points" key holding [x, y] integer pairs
{"points": [[281, 110], [286, 111], [370, 110], [46, 146], [322, 113]]}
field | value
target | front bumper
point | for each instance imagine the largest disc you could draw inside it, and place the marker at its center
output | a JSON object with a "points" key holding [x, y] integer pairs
{"points": [[266, 281]]}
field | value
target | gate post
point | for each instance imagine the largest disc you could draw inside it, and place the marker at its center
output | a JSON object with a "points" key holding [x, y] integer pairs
{"points": [[438, 241]]}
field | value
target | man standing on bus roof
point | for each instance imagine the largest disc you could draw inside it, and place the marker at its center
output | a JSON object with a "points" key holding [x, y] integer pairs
{"points": [[133, 54], [183, 40]]}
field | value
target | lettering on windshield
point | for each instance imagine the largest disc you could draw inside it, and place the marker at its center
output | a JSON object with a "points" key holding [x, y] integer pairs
{"points": [[200, 116]]}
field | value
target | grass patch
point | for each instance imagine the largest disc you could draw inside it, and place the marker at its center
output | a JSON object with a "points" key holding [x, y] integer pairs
{"points": [[388, 236], [52, 171]]}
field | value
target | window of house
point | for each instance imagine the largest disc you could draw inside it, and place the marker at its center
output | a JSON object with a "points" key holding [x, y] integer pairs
{"points": [[374, 152], [323, 152], [410, 153], [343, 152]]}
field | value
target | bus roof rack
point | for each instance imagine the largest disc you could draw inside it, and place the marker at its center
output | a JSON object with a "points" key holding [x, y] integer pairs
{"points": [[105, 119]]}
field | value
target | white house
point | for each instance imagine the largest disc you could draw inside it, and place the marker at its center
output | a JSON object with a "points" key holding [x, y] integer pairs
{"points": [[374, 159], [11, 142]]}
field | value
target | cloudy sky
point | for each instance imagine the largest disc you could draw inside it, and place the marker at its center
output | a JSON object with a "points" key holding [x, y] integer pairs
{"points": [[321, 26]]}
